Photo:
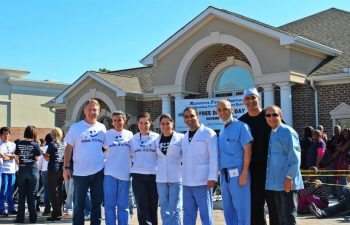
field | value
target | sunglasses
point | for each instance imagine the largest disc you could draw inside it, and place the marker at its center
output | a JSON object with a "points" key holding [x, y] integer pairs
{"points": [[271, 115]]}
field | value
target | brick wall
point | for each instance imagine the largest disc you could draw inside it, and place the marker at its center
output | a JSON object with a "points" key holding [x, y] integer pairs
{"points": [[17, 132], [329, 97], [60, 117], [152, 107], [219, 57], [303, 107]]}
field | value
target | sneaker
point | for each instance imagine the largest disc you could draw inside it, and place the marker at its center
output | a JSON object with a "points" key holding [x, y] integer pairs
{"points": [[87, 217], [4, 214], [53, 219], [319, 213], [18, 221]]}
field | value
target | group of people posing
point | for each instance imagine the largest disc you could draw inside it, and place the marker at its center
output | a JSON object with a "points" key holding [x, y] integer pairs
{"points": [[257, 158]]}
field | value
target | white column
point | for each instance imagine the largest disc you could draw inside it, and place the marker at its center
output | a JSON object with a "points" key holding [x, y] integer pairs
{"points": [[286, 102], [269, 98], [166, 104], [179, 96]]}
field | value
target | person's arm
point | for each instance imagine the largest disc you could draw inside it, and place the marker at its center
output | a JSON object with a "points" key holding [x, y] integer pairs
{"points": [[320, 154], [243, 179], [66, 161], [343, 147], [4, 157], [212, 145]]}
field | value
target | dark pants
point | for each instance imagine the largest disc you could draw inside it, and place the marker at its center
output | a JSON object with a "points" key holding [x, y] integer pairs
{"points": [[146, 197], [28, 181], [259, 195], [55, 183], [287, 206], [342, 206], [81, 186]]}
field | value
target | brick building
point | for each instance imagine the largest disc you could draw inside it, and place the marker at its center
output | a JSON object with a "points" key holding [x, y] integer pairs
{"points": [[303, 66]]}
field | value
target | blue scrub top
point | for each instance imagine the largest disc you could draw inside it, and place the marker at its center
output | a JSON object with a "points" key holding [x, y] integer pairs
{"points": [[232, 140]]}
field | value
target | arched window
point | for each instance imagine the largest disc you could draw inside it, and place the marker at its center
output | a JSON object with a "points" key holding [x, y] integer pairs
{"points": [[232, 80]]}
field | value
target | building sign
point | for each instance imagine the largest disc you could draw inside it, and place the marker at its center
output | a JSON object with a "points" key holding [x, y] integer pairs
{"points": [[207, 111]]}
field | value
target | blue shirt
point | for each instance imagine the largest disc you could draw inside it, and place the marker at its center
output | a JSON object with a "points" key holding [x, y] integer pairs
{"points": [[283, 159], [232, 140]]}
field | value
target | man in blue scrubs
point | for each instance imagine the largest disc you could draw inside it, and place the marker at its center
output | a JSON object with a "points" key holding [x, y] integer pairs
{"points": [[283, 175], [234, 159]]}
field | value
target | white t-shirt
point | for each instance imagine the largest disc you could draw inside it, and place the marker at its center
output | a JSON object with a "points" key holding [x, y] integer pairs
{"points": [[144, 153], [87, 141], [118, 156], [8, 166], [42, 163]]}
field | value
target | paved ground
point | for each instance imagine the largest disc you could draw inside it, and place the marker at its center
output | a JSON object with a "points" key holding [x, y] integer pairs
{"points": [[218, 220]]}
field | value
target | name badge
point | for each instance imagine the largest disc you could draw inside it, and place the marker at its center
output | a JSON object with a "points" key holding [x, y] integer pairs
{"points": [[233, 172]]}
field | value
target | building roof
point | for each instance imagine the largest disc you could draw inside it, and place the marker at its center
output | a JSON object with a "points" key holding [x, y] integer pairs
{"points": [[143, 84], [331, 28], [284, 36]]}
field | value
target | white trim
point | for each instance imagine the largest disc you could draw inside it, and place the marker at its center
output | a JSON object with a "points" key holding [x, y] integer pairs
{"points": [[342, 111], [118, 91], [329, 79], [37, 84], [213, 39], [217, 70], [92, 93], [13, 72], [284, 38]]}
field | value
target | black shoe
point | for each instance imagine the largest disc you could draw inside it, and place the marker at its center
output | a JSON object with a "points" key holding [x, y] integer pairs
{"points": [[18, 221], [32, 221], [319, 213], [14, 212], [4, 214], [53, 219]]}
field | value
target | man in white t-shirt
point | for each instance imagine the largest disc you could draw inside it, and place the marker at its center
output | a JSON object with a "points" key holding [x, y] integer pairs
{"points": [[8, 171], [86, 138]]}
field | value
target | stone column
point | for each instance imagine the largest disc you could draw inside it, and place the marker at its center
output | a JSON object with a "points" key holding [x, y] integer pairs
{"points": [[286, 102], [269, 98], [166, 104]]}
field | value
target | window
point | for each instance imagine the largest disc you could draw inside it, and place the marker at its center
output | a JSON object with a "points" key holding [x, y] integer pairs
{"points": [[232, 81]]}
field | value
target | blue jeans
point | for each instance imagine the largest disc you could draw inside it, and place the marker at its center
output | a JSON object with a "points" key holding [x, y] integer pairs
{"points": [[170, 202], [116, 194], [47, 201], [81, 186], [28, 182], [69, 187], [7, 186], [287, 206], [235, 198], [194, 198]]}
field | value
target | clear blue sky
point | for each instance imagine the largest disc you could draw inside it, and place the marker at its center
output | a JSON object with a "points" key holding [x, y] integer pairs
{"points": [[61, 39]]}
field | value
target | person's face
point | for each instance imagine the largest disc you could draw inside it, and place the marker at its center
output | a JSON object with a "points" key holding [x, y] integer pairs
{"points": [[5, 137], [166, 126], [273, 118], [336, 131], [191, 119], [316, 137], [224, 111], [144, 125], [118, 122], [251, 102], [91, 112]]}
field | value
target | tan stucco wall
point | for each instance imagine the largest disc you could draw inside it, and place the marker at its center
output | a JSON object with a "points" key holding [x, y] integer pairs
{"points": [[26, 110], [3, 112], [302, 63], [272, 57]]}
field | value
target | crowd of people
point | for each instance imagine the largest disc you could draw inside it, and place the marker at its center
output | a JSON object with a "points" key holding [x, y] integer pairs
{"points": [[257, 158]]}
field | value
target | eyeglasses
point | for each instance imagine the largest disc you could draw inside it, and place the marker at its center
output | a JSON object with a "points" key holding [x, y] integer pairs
{"points": [[271, 115]]}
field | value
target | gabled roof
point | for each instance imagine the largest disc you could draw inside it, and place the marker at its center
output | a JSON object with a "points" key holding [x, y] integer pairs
{"points": [[134, 81], [331, 28], [285, 37]]}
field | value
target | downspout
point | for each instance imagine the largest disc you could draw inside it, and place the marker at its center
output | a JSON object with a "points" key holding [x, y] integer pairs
{"points": [[316, 101]]}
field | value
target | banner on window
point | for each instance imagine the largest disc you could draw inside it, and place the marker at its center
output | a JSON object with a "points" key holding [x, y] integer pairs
{"points": [[207, 111]]}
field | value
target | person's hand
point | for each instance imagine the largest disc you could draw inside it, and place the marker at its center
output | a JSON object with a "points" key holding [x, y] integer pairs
{"points": [[288, 183], [66, 174], [243, 179], [211, 183]]}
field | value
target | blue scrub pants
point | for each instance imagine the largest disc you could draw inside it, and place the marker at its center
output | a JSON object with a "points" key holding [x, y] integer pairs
{"points": [[235, 199], [7, 186], [116, 194], [170, 202], [194, 198]]}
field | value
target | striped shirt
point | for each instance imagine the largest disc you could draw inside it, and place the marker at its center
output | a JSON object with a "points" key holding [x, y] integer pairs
{"points": [[311, 188]]}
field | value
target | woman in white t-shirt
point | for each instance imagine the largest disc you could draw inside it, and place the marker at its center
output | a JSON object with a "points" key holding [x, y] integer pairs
{"points": [[116, 181], [143, 171], [169, 171]]}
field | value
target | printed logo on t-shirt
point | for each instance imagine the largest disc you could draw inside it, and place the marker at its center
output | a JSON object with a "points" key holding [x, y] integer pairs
{"points": [[119, 138], [91, 136], [119, 141], [143, 144], [93, 133], [164, 147]]}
